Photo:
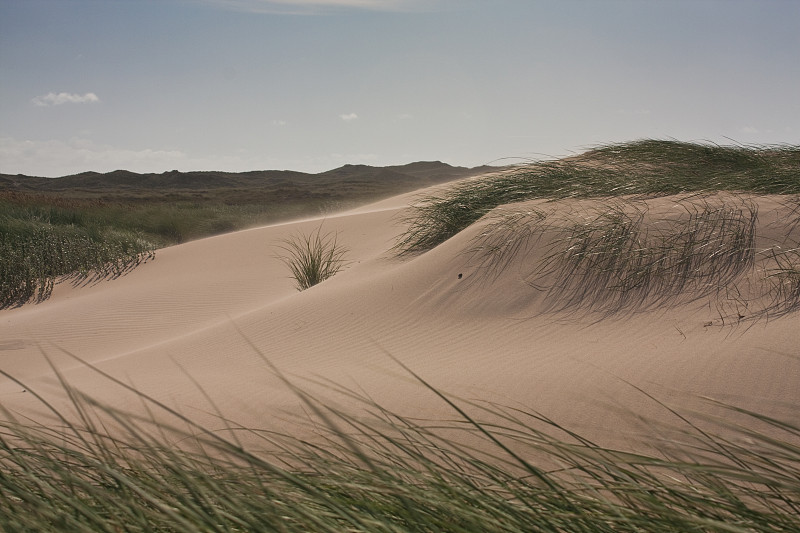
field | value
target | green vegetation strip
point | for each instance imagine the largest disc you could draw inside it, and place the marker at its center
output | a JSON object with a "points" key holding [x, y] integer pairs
{"points": [[37, 248]]}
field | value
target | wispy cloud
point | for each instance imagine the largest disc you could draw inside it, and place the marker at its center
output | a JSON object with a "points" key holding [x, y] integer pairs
{"points": [[310, 7], [51, 99], [348, 117]]}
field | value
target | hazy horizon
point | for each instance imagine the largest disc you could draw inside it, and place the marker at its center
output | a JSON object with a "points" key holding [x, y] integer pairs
{"points": [[311, 85], [214, 171]]}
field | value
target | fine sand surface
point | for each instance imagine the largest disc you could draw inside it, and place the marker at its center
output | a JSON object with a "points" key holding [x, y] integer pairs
{"points": [[199, 327]]}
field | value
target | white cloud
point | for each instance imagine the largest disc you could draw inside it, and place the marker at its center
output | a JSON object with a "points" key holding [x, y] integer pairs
{"points": [[51, 99], [348, 117], [279, 123]]}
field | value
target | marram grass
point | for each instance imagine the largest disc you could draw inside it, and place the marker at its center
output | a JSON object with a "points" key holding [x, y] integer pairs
{"points": [[641, 168], [312, 258], [34, 254], [617, 256], [386, 472]]}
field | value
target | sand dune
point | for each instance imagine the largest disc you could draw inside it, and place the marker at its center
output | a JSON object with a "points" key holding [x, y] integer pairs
{"points": [[204, 320]]}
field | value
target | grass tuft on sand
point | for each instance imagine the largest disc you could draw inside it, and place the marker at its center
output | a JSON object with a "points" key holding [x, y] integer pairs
{"points": [[313, 258]]}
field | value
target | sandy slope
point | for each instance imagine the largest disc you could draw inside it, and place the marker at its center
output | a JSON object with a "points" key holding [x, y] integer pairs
{"points": [[202, 320]]}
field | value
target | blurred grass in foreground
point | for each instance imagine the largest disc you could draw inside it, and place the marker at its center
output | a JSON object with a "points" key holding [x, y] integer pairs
{"points": [[97, 469]]}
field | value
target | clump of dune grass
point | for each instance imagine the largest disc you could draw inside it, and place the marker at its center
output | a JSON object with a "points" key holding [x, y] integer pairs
{"points": [[313, 258], [487, 469], [617, 256], [642, 168], [782, 277], [780, 264], [614, 261]]}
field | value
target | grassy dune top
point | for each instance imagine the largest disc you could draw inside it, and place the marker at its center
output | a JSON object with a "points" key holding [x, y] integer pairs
{"points": [[642, 168]]}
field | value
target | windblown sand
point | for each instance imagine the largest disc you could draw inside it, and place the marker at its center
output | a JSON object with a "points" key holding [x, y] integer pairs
{"points": [[198, 328]]}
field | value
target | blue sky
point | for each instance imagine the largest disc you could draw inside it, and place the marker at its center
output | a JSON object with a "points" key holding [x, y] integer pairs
{"points": [[156, 85]]}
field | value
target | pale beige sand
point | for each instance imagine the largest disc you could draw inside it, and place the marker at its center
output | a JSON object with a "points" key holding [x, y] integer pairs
{"points": [[199, 321]]}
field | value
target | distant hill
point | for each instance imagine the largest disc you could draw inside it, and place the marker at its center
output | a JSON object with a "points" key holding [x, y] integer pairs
{"points": [[361, 180]]}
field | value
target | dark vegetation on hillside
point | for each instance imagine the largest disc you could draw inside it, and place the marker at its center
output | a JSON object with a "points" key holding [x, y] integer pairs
{"points": [[93, 225], [270, 194]]}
